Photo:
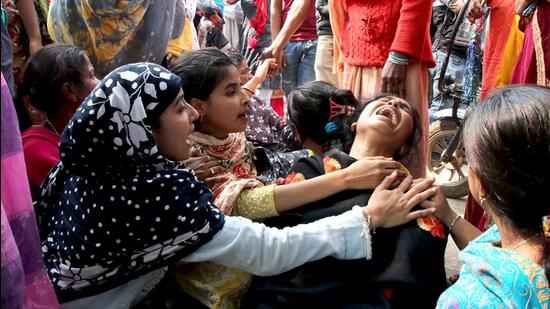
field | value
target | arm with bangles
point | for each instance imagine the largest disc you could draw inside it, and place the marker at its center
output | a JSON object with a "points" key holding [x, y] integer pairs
{"points": [[461, 230], [262, 72]]}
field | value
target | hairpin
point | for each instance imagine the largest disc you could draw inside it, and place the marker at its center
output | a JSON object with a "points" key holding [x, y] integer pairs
{"points": [[330, 127], [339, 109]]}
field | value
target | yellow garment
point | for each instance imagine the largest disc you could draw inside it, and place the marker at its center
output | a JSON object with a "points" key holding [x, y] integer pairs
{"points": [[218, 286], [184, 43], [256, 203], [511, 53]]}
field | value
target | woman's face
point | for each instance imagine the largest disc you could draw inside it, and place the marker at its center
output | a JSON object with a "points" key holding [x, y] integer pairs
{"points": [[175, 125], [226, 108], [244, 70], [388, 120], [78, 92]]}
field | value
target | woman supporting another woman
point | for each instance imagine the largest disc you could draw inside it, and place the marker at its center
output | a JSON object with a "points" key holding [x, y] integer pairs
{"points": [[119, 207]]}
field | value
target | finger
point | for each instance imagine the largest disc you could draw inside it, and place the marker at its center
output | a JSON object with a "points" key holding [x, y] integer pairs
{"points": [[405, 184], [421, 197], [380, 158], [210, 164], [196, 153], [387, 164], [386, 183], [402, 89], [384, 85], [421, 186], [420, 213]]}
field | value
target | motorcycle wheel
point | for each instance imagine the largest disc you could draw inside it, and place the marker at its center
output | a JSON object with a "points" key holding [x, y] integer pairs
{"points": [[452, 176]]}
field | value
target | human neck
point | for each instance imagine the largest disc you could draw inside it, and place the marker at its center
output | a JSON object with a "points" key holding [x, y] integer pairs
{"points": [[510, 239], [316, 148], [209, 130], [362, 150]]}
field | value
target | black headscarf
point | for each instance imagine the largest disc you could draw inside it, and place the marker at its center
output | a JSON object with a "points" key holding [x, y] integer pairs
{"points": [[114, 208]]}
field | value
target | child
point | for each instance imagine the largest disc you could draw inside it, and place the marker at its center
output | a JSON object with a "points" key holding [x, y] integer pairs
{"points": [[211, 84]]}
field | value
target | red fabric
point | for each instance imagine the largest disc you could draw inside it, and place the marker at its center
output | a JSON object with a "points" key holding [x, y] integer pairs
{"points": [[278, 105], [308, 29], [258, 22], [41, 149], [372, 28], [526, 68]]}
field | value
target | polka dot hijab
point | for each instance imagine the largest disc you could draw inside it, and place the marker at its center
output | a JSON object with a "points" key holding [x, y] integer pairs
{"points": [[114, 208]]}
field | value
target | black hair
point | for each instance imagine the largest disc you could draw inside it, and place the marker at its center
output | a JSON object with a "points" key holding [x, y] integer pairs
{"points": [[507, 141], [236, 57], [309, 111], [44, 75], [201, 71]]}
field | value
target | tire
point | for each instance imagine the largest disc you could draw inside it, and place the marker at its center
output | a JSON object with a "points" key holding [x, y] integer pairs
{"points": [[453, 176]]}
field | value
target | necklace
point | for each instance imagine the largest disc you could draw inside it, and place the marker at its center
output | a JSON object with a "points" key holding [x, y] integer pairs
{"points": [[523, 242], [50, 126]]}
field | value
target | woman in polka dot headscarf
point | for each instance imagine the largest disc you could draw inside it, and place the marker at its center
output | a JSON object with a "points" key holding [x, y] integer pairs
{"points": [[119, 207]]}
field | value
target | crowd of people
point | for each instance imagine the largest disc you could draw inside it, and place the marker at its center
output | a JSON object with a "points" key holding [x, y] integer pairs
{"points": [[144, 166]]}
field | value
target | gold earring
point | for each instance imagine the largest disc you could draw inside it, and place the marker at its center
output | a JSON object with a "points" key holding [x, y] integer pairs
{"points": [[482, 199]]}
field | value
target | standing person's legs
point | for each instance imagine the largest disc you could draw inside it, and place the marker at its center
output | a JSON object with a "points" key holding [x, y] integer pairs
{"points": [[324, 60], [231, 32], [306, 71], [417, 95], [292, 64]]}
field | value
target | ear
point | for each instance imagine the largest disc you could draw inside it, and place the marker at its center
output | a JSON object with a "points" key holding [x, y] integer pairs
{"points": [[199, 105], [36, 116], [354, 127], [67, 90]]}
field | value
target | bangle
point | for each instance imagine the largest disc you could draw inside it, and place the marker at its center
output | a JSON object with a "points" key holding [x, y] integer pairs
{"points": [[453, 223], [248, 89], [393, 58]]}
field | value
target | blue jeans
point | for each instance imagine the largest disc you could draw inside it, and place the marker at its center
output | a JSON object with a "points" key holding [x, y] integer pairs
{"points": [[454, 73], [300, 64]]}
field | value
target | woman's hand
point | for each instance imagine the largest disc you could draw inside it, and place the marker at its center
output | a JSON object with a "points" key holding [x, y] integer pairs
{"points": [[367, 173], [204, 166], [391, 207], [442, 209], [476, 11], [267, 66], [276, 52], [393, 78]]}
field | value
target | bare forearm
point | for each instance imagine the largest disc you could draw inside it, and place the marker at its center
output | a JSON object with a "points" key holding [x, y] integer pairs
{"points": [[298, 13], [253, 83], [276, 18], [297, 194], [462, 231], [30, 19]]}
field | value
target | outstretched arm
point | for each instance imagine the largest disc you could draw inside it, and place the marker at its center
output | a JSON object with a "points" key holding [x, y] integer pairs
{"points": [[30, 21]]}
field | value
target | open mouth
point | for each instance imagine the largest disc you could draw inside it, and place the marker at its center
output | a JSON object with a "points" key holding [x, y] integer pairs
{"points": [[389, 112]]}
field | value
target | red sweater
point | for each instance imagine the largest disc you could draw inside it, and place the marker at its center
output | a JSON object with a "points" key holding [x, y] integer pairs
{"points": [[41, 149], [372, 28]]}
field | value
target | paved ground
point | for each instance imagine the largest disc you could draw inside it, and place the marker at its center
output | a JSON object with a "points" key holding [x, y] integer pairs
{"points": [[452, 264]]}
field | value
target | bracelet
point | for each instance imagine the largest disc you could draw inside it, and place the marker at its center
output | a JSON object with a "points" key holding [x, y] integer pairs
{"points": [[453, 223], [370, 223], [395, 59], [248, 89]]}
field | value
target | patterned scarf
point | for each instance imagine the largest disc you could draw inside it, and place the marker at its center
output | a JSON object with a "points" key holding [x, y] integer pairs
{"points": [[235, 156], [114, 208]]}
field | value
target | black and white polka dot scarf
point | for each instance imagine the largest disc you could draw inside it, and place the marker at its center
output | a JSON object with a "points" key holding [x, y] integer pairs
{"points": [[114, 208]]}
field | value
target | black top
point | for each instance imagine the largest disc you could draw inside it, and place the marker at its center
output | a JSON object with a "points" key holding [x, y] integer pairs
{"points": [[407, 268], [322, 15]]}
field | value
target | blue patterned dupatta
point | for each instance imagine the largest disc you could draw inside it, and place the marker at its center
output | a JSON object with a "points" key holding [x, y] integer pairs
{"points": [[496, 278]]}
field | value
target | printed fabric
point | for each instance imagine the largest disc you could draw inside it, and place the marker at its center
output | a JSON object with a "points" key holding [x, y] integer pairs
{"points": [[114, 33], [234, 155], [493, 277], [114, 208]]}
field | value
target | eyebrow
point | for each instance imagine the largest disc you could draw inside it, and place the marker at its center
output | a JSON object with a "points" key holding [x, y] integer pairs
{"points": [[232, 85], [178, 98]]}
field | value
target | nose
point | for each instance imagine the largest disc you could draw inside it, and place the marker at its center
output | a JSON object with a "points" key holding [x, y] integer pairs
{"points": [[193, 114]]}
